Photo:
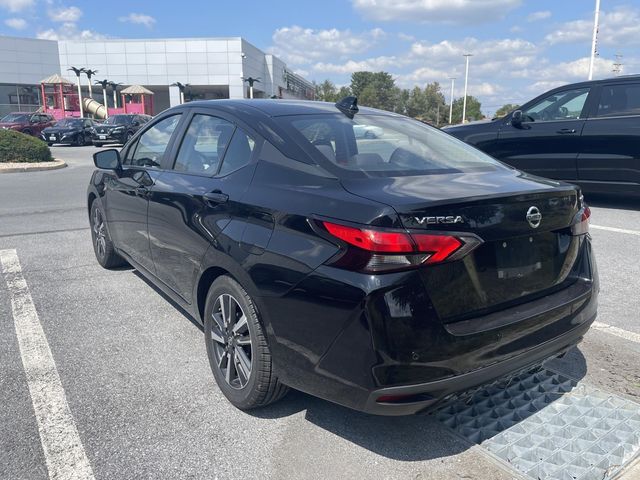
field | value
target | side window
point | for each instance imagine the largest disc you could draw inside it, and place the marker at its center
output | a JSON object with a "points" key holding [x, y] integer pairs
{"points": [[619, 100], [239, 152], [565, 105], [152, 144], [204, 145]]}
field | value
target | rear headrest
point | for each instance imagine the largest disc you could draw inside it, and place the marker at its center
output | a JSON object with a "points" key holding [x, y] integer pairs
{"points": [[366, 160]]}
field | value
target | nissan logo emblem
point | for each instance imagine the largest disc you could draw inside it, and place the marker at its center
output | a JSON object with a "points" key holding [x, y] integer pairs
{"points": [[534, 217]]}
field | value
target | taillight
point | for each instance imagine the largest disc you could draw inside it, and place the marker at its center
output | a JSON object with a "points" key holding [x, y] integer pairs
{"points": [[581, 224], [383, 251]]}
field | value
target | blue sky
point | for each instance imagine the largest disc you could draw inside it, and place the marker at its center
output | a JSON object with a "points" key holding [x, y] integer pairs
{"points": [[521, 47]]}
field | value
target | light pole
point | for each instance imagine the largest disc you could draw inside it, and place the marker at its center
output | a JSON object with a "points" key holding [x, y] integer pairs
{"points": [[104, 84], [466, 81], [594, 41], [453, 81], [251, 81], [78, 71]]}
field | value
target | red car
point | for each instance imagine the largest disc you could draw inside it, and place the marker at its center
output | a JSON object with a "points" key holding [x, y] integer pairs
{"points": [[26, 122]]}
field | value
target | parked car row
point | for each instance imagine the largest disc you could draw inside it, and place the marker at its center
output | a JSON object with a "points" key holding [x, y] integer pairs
{"points": [[586, 133], [117, 129]]}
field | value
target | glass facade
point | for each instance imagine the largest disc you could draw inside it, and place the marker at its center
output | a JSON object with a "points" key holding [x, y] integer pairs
{"points": [[19, 98]]}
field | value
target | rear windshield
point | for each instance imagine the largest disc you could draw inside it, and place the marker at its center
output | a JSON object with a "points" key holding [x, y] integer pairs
{"points": [[15, 118], [385, 145], [69, 122], [118, 120]]}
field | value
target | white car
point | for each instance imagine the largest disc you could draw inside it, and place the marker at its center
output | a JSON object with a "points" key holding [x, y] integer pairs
{"points": [[367, 131]]}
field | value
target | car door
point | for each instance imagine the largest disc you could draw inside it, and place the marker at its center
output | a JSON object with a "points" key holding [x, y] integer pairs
{"points": [[547, 141], [127, 192], [610, 153], [196, 199]]}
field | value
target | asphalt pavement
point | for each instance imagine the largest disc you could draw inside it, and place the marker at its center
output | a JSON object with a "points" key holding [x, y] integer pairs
{"points": [[137, 388]]}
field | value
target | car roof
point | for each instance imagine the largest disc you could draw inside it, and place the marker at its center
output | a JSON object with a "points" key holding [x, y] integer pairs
{"points": [[277, 108], [589, 83]]}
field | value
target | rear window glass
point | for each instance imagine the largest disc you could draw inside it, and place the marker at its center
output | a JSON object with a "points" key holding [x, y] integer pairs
{"points": [[384, 145], [618, 100]]}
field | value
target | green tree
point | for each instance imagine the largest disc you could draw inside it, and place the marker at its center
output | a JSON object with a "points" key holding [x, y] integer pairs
{"points": [[326, 91], [503, 110], [375, 89], [474, 111]]}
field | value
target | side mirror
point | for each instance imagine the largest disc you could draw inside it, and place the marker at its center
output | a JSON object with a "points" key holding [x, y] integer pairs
{"points": [[108, 159], [135, 123], [516, 118]]}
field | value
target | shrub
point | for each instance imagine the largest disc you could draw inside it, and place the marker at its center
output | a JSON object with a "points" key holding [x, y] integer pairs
{"points": [[21, 148]]}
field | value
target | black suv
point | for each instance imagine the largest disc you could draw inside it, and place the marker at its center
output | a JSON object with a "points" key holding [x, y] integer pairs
{"points": [[117, 129], [73, 131], [383, 274], [586, 133]]}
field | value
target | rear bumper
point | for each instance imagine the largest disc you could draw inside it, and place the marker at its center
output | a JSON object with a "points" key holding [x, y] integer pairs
{"points": [[352, 338], [429, 395]]}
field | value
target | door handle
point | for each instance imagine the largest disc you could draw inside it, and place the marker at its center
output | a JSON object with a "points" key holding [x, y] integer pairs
{"points": [[216, 197], [564, 131], [142, 191]]}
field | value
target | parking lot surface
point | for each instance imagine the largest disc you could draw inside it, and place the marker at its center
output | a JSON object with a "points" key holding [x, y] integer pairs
{"points": [[129, 373]]}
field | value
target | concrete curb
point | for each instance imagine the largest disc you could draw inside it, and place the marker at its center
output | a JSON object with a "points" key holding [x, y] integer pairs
{"points": [[31, 167]]}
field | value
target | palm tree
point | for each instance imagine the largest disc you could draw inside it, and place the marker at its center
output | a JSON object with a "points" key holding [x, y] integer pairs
{"points": [[181, 87], [78, 71], [104, 84], [251, 81], [90, 73], [115, 86]]}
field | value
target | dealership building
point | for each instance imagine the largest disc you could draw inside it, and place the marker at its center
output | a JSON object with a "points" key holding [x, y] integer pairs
{"points": [[209, 68]]}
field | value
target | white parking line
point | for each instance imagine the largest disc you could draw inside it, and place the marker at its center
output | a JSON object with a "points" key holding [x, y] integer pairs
{"points": [[618, 332], [63, 450], [617, 230]]}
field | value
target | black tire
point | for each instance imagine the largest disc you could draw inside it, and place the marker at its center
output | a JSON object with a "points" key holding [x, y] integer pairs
{"points": [[50, 144], [27, 132], [97, 145], [80, 141], [102, 244], [261, 387]]}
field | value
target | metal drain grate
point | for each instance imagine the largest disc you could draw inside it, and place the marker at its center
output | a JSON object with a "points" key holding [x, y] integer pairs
{"points": [[549, 426]]}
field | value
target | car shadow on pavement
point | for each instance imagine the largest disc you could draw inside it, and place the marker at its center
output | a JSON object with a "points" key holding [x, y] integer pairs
{"points": [[611, 201], [409, 438]]}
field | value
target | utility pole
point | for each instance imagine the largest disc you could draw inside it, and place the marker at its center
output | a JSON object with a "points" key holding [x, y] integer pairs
{"points": [[453, 81], [466, 81], [594, 41], [617, 65]]}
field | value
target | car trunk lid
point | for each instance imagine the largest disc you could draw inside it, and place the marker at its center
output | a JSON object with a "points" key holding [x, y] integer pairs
{"points": [[524, 222]]}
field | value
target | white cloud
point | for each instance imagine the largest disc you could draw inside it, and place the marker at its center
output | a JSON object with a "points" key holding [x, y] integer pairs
{"points": [[617, 27], [350, 66], [536, 16], [69, 31], [406, 38], [16, 5], [16, 23], [427, 11], [305, 45], [65, 15], [139, 18]]}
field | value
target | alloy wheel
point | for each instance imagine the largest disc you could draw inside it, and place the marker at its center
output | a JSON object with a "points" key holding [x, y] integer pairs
{"points": [[99, 231], [231, 341]]}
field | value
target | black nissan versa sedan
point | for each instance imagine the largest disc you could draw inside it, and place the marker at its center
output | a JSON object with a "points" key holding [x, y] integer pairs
{"points": [[382, 274], [586, 133], [118, 128]]}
